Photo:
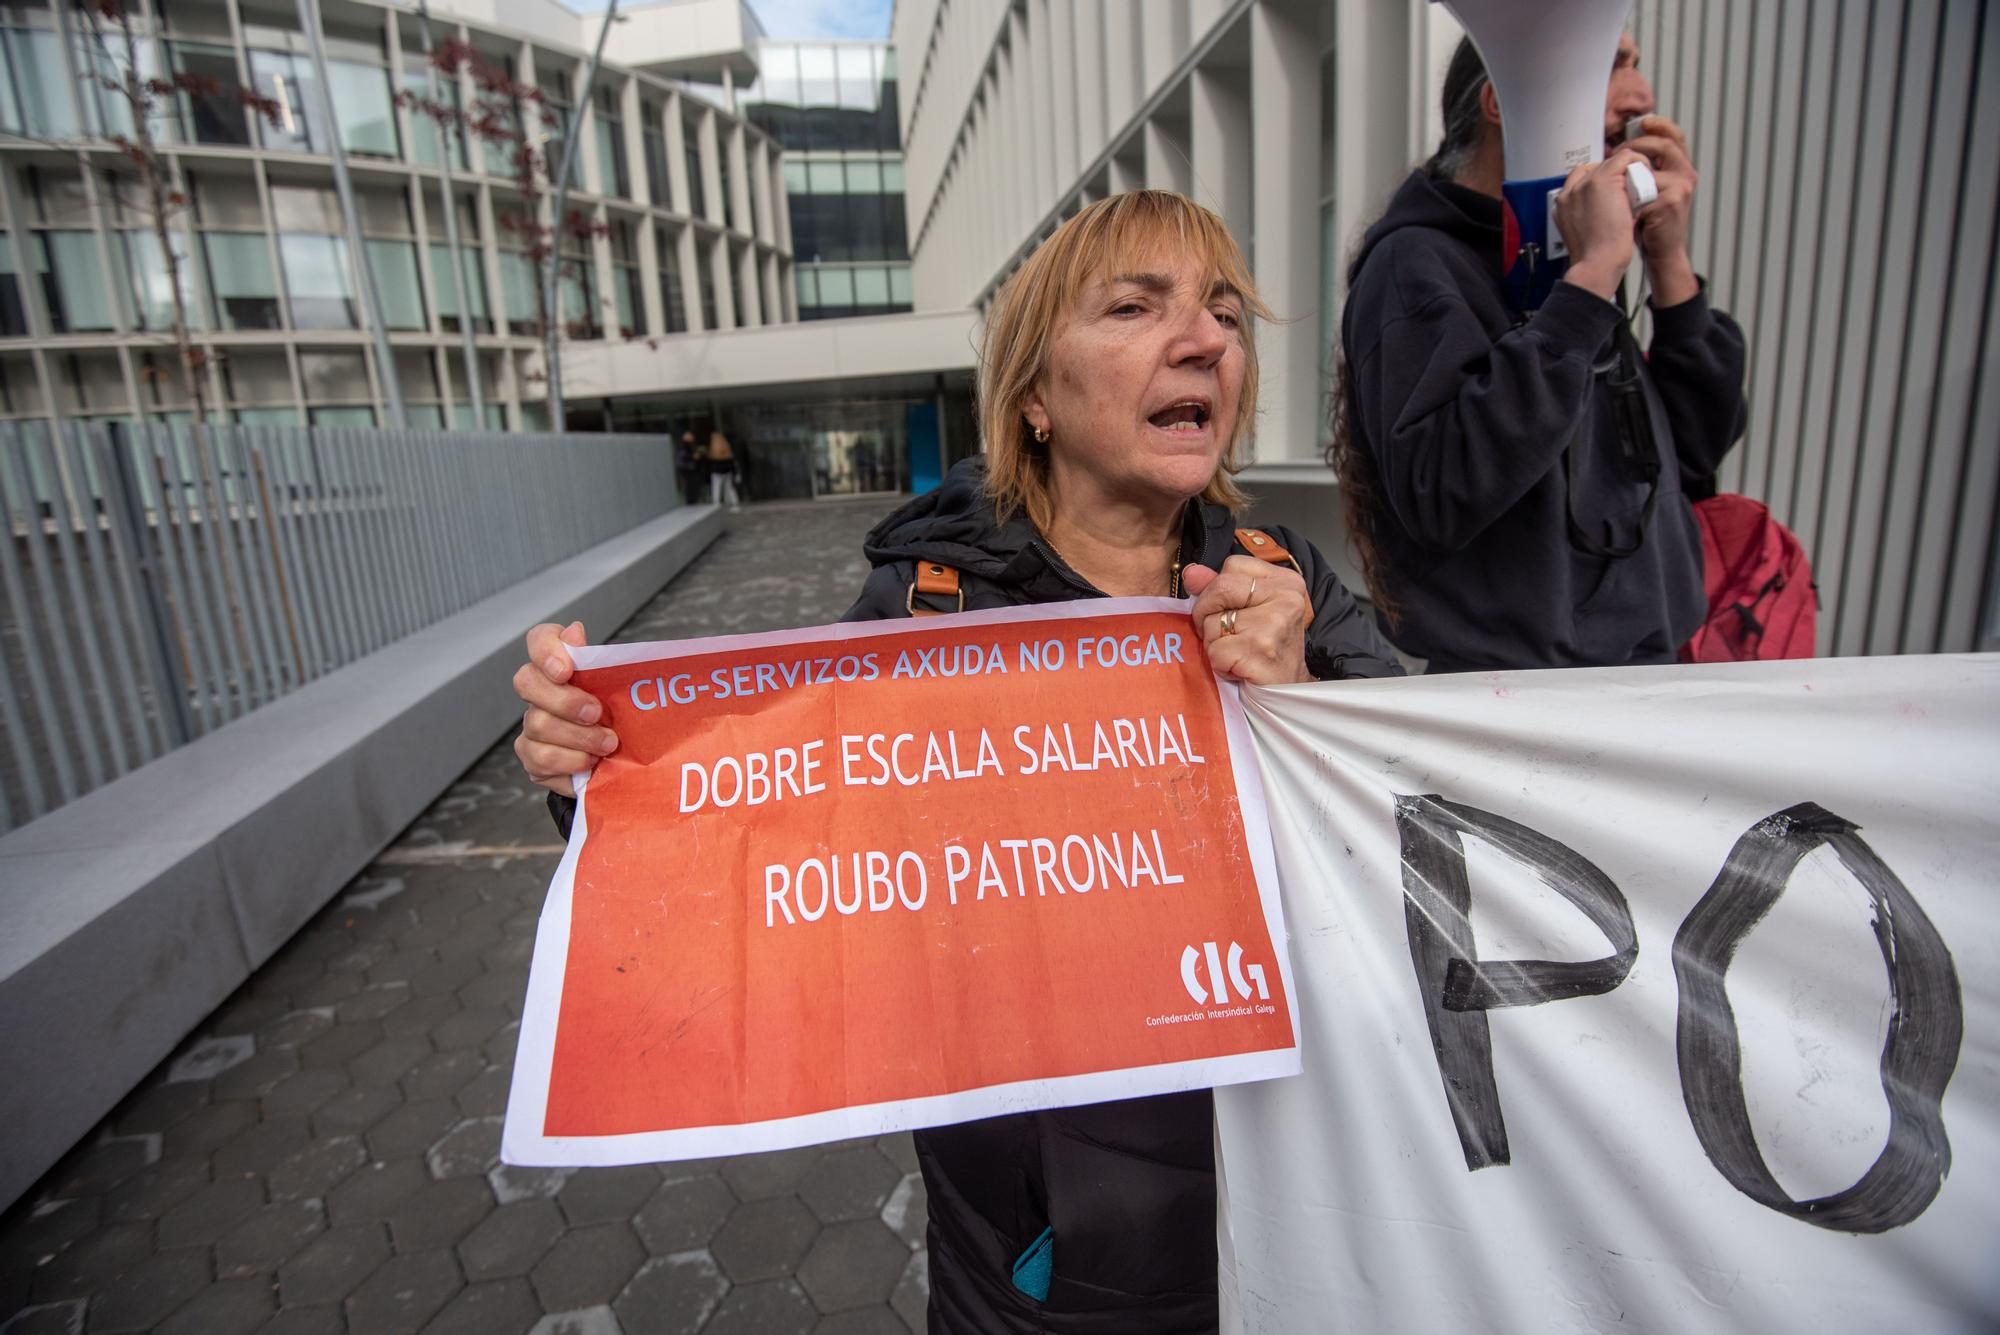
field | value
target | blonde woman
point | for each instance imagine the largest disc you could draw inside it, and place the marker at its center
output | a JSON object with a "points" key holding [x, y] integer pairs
{"points": [[721, 458], [1118, 379]]}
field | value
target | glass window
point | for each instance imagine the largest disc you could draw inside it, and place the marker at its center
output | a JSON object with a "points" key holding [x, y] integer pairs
{"points": [[658, 188], [73, 282], [804, 279], [858, 88], [278, 76], [239, 275], [816, 80], [836, 287], [268, 416], [20, 390], [705, 273], [396, 284], [92, 382], [34, 97], [317, 279], [257, 377], [780, 74], [211, 117], [335, 375], [517, 293], [795, 177], [59, 198], [697, 190], [428, 118], [826, 178], [152, 294], [306, 208], [864, 178], [899, 286], [612, 176], [871, 287], [578, 288], [384, 212], [342, 416], [13, 315], [425, 416], [226, 201], [362, 105], [892, 176], [672, 296], [446, 280], [468, 217]]}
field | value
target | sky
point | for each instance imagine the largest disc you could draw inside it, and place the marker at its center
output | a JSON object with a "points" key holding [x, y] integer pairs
{"points": [[789, 19]]}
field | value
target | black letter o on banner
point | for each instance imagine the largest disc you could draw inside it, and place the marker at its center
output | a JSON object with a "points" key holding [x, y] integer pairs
{"points": [[1926, 1024]]}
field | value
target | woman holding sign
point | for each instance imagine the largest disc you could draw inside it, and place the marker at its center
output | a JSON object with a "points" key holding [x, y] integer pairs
{"points": [[1117, 381]]}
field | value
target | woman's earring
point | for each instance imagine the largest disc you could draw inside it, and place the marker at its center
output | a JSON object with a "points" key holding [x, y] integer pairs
{"points": [[1041, 435]]}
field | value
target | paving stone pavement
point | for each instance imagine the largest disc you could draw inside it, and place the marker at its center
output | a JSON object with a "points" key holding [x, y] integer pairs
{"points": [[323, 1154]]}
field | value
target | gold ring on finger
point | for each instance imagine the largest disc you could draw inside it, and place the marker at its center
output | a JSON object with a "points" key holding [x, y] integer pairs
{"points": [[1251, 597], [1229, 622]]}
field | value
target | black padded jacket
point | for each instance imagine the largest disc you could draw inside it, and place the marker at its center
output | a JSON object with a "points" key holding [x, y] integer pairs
{"points": [[1128, 1188]]}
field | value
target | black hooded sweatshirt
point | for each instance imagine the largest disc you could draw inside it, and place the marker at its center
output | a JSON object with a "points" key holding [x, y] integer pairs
{"points": [[1128, 1188], [1470, 414]]}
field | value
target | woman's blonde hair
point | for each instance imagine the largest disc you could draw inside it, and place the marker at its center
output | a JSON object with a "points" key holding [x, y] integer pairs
{"points": [[1101, 240]]}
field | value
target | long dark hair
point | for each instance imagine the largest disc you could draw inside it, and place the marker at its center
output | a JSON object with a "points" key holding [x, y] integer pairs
{"points": [[1348, 457]]}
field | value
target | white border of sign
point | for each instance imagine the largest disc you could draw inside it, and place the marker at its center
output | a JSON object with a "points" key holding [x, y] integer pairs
{"points": [[522, 1141]]}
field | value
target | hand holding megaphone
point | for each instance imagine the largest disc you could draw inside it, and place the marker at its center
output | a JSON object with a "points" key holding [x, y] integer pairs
{"points": [[1594, 215], [1663, 224]]}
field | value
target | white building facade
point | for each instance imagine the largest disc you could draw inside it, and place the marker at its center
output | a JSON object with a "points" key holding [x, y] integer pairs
{"points": [[687, 196]]}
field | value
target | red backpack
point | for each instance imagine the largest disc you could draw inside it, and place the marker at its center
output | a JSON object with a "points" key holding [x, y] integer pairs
{"points": [[1762, 602]]}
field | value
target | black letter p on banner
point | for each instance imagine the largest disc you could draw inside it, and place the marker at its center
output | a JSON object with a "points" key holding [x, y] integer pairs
{"points": [[1458, 987], [1926, 1025]]}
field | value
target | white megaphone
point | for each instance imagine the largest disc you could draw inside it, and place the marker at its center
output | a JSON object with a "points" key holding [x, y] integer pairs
{"points": [[1550, 62]]}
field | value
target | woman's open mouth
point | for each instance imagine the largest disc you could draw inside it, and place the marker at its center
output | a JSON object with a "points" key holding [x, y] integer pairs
{"points": [[1187, 415]]}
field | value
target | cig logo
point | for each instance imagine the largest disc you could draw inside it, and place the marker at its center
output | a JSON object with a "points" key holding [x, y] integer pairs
{"points": [[1243, 979]]}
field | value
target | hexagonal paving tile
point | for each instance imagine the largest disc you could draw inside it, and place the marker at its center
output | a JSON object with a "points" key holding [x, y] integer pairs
{"points": [[304, 1091], [353, 1111], [374, 1190], [442, 1074], [440, 1214], [601, 1195], [314, 1170], [231, 1307], [210, 1213], [912, 1298], [139, 1298], [907, 1211], [262, 1147], [850, 1183], [412, 1128], [92, 1261], [332, 1265], [390, 1059], [756, 1177], [158, 1107], [862, 1321], [588, 1267], [261, 1243], [779, 1307], [683, 1215], [511, 1240], [151, 1192], [671, 1295], [402, 1296], [468, 1149], [486, 1309], [853, 1265], [485, 1095], [764, 1239]]}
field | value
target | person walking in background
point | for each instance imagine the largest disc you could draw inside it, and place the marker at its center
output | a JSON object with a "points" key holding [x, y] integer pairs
{"points": [[1517, 485], [721, 470], [687, 465]]}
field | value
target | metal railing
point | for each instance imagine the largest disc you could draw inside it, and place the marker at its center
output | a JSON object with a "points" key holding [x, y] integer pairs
{"points": [[157, 582]]}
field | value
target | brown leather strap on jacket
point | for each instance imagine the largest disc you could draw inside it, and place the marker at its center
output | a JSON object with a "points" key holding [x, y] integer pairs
{"points": [[934, 581], [1267, 548]]}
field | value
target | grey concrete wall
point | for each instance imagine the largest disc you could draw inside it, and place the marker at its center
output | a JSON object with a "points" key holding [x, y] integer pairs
{"points": [[131, 913]]}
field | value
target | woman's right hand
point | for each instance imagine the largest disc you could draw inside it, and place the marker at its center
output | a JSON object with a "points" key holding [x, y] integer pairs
{"points": [[559, 737], [1594, 215]]}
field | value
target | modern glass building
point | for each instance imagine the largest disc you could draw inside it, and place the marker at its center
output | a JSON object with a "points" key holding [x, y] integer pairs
{"points": [[833, 108], [689, 232]]}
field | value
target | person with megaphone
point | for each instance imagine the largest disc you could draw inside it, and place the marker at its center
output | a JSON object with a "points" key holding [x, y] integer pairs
{"points": [[1517, 482]]}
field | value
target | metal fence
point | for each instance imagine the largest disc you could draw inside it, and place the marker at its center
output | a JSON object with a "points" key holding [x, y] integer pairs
{"points": [[161, 581]]}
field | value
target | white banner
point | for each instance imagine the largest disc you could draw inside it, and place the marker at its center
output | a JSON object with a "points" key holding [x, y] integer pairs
{"points": [[1646, 999]]}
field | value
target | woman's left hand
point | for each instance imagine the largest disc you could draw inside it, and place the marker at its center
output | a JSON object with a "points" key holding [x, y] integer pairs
{"points": [[1252, 617]]}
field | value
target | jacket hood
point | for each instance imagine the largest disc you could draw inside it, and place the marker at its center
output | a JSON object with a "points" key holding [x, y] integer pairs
{"points": [[955, 524], [1443, 206]]}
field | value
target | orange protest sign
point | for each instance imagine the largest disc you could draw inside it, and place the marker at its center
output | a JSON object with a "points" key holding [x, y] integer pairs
{"points": [[869, 877]]}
